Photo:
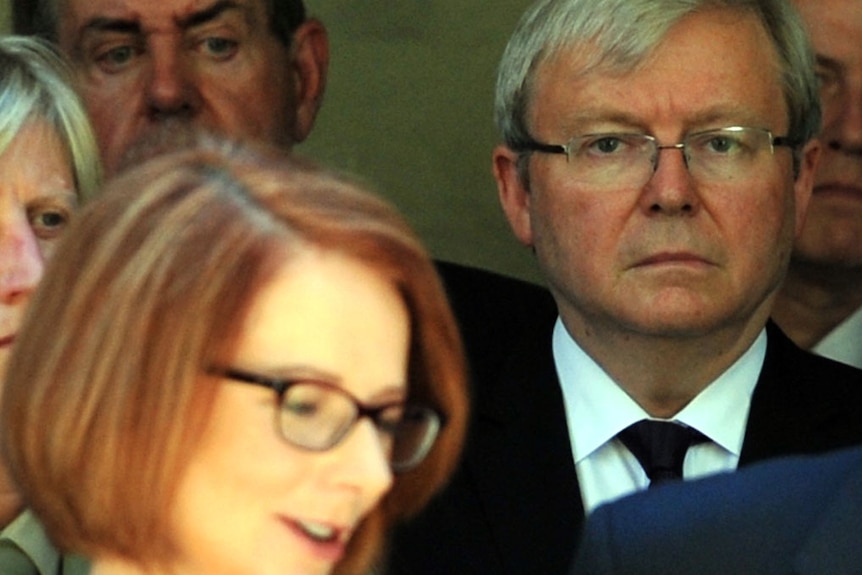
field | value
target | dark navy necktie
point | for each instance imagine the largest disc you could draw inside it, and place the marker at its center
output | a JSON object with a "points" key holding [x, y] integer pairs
{"points": [[660, 447]]}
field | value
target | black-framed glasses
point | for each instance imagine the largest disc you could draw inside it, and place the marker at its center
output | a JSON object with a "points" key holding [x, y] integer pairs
{"points": [[317, 416], [622, 160]]}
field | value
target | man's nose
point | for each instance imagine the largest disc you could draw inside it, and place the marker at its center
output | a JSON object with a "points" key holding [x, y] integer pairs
{"points": [[842, 126], [171, 86], [670, 189]]}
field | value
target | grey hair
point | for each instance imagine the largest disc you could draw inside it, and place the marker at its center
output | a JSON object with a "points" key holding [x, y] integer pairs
{"points": [[36, 83], [619, 34]]}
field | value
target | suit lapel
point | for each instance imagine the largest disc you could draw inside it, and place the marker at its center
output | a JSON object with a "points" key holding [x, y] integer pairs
{"points": [[522, 463], [772, 426], [801, 404]]}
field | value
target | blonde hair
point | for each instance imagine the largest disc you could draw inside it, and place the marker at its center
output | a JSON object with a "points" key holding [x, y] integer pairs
{"points": [[36, 83], [148, 288]]}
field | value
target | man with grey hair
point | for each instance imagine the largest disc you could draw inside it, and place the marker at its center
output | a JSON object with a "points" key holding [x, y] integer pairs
{"points": [[658, 157]]}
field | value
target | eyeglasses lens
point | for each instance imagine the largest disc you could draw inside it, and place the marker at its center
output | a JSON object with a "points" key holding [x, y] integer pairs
{"points": [[318, 418]]}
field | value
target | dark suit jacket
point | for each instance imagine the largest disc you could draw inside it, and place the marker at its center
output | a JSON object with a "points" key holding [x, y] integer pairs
{"points": [[514, 507], [797, 516]]}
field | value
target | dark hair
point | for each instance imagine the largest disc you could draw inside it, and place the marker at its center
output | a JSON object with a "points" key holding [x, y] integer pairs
{"points": [[40, 17]]}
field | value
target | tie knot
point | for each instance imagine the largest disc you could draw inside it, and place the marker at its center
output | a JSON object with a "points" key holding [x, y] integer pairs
{"points": [[660, 447]]}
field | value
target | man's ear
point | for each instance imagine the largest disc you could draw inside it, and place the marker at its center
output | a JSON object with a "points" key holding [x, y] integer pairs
{"points": [[809, 158], [311, 64], [513, 193]]}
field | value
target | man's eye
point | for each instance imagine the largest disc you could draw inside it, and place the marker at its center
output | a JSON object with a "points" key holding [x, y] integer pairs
{"points": [[723, 145], [606, 145], [720, 144], [220, 48], [116, 58]]}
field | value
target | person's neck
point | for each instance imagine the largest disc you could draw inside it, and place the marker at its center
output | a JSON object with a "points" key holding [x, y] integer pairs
{"points": [[10, 500], [814, 300], [664, 373], [119, 566]]}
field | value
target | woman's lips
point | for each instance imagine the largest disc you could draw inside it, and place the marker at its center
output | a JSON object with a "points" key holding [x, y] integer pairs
{"points": [[329, 547]]}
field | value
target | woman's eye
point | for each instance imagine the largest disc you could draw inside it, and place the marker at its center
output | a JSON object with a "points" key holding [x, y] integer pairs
{"points": [[390, 419], [388, 425], [301, 408], [49, 223], [115, 59]]}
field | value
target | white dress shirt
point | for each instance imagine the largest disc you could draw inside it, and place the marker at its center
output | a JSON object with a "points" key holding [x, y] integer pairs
{"points": [[597, 409], [844, 343]]}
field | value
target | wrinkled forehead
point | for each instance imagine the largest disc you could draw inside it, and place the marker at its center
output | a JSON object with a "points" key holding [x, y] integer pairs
{"points": [[712, 68], [619, 48], [623, 50], [834, 26], [76, 15]]}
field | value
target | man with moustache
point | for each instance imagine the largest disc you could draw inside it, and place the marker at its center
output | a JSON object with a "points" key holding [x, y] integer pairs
{"points": [[820, 305]]}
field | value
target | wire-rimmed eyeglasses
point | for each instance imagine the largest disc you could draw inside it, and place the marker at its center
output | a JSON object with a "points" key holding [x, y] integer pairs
{"points": [[317, 416], [623, 160]]}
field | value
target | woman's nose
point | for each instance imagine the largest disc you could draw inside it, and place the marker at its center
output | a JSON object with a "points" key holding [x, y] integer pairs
{"points": [[21, 260], [364, 463]]}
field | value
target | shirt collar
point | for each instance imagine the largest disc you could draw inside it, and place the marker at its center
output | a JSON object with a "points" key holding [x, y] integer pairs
{"points": [[600, 410], [28, 535], [842, 343]]}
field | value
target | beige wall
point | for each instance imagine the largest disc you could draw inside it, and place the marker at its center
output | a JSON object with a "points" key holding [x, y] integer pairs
{"points": [[5, 15], [409, 106]]}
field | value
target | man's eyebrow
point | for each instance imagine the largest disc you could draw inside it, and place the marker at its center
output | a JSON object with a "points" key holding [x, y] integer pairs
{"points": [[210, 14], [827, 62], [119, 25], [129, 26]]}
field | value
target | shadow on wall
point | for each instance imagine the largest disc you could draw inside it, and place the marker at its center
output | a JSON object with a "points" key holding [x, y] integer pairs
{"points": [[6, 16], [409, 105]]}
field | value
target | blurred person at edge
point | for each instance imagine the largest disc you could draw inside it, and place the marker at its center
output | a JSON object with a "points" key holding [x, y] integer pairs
{"points": [[265, 373], [797, 515], [820, 303], [49, 165]]}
